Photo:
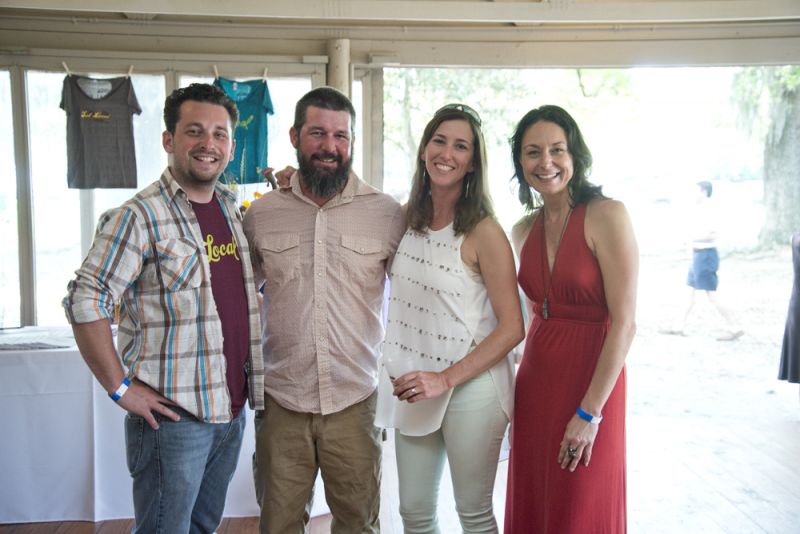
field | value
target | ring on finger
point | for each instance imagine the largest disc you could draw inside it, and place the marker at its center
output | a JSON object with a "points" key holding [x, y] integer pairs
{"points": [[572, 452], [414, 390]]}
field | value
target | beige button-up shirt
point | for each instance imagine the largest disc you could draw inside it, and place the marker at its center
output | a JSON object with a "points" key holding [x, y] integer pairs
{"points": [[323, 270]]}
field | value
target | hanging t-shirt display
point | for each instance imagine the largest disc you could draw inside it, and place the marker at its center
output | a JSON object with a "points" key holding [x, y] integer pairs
{"points": [[100, 147], [254, 103]]}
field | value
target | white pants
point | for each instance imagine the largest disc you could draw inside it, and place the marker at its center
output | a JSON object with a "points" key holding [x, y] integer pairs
{"points": [[470, 438]]}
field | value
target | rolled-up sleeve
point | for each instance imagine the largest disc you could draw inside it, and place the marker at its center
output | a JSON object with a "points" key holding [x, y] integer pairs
{"points": [[113, 263]]}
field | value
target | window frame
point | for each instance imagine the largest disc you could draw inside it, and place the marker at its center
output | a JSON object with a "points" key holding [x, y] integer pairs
{"points": [[170, 66]]}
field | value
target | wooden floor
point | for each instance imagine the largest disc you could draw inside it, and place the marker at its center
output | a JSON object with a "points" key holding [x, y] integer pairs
{"points": [[239, 525], [710, 452], [713, 443], [713, 436]]}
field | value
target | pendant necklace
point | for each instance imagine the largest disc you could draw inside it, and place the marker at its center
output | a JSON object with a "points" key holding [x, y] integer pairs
{"points": [[545, 262]]}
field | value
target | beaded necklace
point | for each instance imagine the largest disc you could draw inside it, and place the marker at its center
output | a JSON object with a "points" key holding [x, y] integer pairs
{"points": [[545, 306]]}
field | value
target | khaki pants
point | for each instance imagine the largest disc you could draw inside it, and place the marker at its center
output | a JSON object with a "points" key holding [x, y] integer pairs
{"points": [[291, 447]]}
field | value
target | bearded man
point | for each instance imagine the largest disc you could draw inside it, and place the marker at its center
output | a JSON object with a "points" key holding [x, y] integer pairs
{"points": [[321, 249]]}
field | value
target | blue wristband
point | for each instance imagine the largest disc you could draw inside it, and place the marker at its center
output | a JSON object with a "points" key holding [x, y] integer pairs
{"points": [[586, 416], [117, 395]]}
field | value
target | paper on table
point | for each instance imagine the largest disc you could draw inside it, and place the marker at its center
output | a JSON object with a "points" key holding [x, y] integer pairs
{"points": [[36, 338]]}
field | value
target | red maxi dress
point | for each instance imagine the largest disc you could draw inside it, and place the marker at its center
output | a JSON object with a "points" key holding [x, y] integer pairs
{"points": [[560, 357]]}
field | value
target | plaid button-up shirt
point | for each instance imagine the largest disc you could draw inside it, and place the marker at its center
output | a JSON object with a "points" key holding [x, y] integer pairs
{"points": [[150, 257]]}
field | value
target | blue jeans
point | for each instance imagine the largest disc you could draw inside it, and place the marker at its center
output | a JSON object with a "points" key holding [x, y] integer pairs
{"points": [[181, 471]]}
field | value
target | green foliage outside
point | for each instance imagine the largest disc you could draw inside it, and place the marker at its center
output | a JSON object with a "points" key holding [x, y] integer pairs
{"points": [[654, 132], [501, 96], [768, 101]]}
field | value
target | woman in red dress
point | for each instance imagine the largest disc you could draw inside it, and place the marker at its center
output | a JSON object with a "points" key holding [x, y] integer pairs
{"points": [[578, 269]]}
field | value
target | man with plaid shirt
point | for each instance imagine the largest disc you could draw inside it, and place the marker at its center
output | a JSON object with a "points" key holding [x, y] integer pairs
{"points": [[175, 263]]}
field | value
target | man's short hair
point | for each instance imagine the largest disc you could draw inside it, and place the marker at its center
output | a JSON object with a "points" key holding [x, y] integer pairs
{"points": [[705, 187], [324, 98], [198, 92]]}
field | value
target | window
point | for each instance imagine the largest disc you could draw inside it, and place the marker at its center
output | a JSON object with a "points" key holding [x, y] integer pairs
{"points": [[617, 110], [56, 209], [358, 147], [284, 92], [9, 252], [151, 160], [60, 231]]}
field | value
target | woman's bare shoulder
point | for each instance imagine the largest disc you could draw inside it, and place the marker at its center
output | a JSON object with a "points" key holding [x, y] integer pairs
{"points": [[602, 208]]}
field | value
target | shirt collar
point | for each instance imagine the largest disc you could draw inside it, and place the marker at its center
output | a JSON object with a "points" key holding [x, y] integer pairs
{"points": [[354, 187], [173, 187]]}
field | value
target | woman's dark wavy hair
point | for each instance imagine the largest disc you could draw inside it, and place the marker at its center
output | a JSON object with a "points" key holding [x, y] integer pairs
{"points": [[474, 203], [580, 188]]}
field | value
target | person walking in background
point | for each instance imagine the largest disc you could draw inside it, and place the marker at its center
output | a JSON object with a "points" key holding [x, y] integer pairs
{"points": [[175, 260], [705, 264], [790, 353], [454, 315], [578, 269], [322, 249]]}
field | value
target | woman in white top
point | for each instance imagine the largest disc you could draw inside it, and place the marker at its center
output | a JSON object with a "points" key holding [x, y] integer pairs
{"points": [[454, 315]]}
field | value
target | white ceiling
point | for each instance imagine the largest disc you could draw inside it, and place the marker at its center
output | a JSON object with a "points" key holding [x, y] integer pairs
{"points": [[438, 11], [420, 32]]}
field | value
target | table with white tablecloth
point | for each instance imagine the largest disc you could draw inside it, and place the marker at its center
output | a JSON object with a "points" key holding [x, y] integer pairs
{"points": [[62, 450]]}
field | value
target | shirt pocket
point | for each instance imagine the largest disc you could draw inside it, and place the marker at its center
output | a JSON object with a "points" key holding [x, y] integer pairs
{"points": [[178, 264], [362, 260], [280, 257]]}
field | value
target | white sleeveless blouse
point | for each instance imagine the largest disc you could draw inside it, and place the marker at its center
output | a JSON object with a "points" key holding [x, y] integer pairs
{"points": [[439, 310]]}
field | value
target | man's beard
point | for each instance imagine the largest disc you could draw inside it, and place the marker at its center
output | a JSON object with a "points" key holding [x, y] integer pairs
{"points": [[323, 183]]}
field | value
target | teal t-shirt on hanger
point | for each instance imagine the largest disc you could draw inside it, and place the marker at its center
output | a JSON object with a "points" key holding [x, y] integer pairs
{"points": [[254, 103]]}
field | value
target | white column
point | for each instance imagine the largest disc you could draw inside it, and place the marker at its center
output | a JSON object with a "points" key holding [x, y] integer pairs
{"points": [[339, 65]]}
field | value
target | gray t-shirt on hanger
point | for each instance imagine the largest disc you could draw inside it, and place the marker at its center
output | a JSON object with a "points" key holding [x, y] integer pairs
{"points": [[100, 146]]}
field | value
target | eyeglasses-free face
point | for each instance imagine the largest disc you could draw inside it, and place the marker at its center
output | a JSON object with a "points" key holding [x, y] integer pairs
{"points": [[462, 108]]}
